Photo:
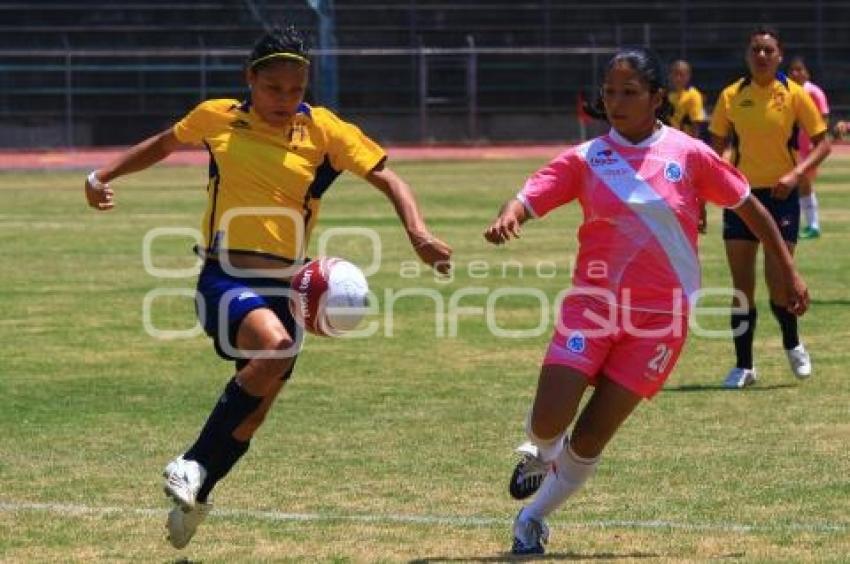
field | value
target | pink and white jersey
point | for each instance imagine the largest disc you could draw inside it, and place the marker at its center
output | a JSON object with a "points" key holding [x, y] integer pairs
{"points": [[804, 144], [638, 240]]}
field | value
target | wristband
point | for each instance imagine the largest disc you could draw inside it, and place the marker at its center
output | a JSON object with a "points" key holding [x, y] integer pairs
{"points": [[95, 183]]}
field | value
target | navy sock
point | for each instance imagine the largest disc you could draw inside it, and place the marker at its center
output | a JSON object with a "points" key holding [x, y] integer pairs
{"points": [[233, 407], [744, 340], [229, 453], [788, 325]]}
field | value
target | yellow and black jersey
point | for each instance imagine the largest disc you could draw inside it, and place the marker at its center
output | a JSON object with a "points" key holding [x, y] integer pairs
{"points": [[688, 110], [763, 123], [266, 182]]}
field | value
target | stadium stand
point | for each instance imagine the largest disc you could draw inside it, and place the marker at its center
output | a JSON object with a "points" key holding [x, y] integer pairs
{"points": [[89, 72]]}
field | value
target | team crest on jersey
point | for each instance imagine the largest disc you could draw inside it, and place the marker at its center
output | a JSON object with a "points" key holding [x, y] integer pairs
{"points": [[602, 158], [778, 100], [673, 172], [576, 342]]}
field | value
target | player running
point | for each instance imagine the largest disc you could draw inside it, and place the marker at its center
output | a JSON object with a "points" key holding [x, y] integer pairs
{"points": [[623, 323]]}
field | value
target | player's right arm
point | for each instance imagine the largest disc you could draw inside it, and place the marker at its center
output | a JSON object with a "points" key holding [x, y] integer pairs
{"points": [[508, 225], [139, 157]]}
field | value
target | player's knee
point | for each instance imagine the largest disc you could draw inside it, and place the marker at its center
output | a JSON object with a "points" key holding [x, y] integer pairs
{"points": [[541, 429]]}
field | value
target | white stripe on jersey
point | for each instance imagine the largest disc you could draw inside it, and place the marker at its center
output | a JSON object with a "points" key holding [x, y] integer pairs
{"points": [[652, 209]]}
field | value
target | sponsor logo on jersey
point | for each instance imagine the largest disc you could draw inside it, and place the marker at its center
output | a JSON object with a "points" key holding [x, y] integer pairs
{"points": [[673, 172], [746, 104], [602, 158], [240, 123]]}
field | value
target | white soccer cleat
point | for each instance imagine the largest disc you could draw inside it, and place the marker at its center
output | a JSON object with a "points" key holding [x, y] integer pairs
{"points": [[529, 535], [739, 378], [800, 361], [182, 524], [183, 479], [529, 472]]}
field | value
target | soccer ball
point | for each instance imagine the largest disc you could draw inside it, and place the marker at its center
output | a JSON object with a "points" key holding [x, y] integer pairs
{"points": [[330, 296]]}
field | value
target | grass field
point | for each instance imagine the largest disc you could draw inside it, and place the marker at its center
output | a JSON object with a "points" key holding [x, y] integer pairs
{"points": [[392, 448]]}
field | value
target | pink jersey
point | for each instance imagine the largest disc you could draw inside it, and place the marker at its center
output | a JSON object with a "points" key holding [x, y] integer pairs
{"points": [[638, 240], [804, 144]]}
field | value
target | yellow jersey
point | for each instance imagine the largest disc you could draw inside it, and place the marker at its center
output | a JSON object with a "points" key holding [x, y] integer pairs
{"points": [[266, 183], [688, 109], [763, 123]]}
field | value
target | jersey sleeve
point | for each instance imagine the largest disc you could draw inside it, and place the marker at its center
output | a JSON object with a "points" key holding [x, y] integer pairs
{"points": [[197, 124], [720, 125], [819, 98], [696, 109], [350, 149], [716, 180], [552, 186], [808, 114]]}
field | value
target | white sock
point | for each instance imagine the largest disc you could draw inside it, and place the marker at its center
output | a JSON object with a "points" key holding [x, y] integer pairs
{"points": [[547, 449], [567, 477], [809, 205]]}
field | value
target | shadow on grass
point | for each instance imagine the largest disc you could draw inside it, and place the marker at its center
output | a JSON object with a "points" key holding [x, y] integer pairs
{"points": [[508, 557], [719, 387], [830, 302]]}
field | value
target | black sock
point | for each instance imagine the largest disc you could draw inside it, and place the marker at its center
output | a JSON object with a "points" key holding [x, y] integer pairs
{"points": [[788, 324], [744, 338], [229, 452], [233, 407]]}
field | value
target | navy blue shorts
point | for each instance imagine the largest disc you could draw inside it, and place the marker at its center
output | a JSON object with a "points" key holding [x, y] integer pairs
{"points": [[223, 301], [786, 214]]}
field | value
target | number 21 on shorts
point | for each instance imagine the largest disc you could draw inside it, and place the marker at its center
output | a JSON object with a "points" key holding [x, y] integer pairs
{"points": [[660, 359]]}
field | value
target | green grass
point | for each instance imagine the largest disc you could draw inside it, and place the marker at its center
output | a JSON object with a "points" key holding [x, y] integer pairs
{"points": [[410, 425]]}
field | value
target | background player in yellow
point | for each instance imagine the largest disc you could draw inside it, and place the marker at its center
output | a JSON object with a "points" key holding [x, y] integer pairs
{"points": [[688, 112], [759, 115], [271, 159]]}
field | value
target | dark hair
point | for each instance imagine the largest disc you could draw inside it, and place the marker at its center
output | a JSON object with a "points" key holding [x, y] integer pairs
{"points": [[278, 41], [766, 30], [647, 64], [798, 59]]}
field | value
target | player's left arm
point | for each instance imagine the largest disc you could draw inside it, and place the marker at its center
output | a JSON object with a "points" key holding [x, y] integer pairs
{"points": [[762, 225], [430, 249]]}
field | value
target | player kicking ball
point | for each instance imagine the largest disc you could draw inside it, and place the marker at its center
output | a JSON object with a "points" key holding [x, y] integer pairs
{"points": [[272, 157], [624, 322]]}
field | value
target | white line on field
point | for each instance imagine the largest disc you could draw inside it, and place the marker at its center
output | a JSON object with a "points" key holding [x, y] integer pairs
{"points": [[72, 510]]}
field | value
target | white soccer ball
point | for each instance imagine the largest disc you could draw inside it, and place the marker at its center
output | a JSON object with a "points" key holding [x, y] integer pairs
{"points": [[330, 296]]}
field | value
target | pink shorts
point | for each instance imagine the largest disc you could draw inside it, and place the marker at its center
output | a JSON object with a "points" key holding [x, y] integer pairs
{"points": [[637, 349]]}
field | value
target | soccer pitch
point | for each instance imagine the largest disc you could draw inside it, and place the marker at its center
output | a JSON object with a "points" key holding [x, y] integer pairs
{"points": [[395, 447]]}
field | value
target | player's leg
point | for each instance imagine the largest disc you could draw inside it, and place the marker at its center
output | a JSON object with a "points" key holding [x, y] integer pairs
{"points": [[606, 410], [559, 392], [261, 334], [741, 257], [809, 207], [798, 357], [580, 343], [226, 436]]}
